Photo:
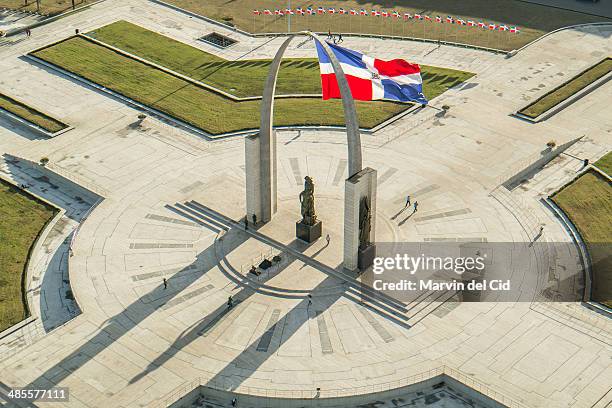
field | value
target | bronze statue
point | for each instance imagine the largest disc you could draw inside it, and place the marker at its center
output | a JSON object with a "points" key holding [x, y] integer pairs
{"points": [[307, 200], [365, 220]]}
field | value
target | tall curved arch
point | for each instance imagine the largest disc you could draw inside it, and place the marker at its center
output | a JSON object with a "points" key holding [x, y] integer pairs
{"points": [[266, 196]]}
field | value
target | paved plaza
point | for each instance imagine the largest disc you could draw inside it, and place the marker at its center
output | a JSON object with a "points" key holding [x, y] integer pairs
{"points": [[167, 203]]}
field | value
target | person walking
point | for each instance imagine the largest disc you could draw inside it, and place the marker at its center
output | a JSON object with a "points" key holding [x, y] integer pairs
{"points": [[416, 206], [329, 34], [165, 284], [246, 222], [340, 39], [230, 302], [327, 238], [234, 402], [407, 201]]}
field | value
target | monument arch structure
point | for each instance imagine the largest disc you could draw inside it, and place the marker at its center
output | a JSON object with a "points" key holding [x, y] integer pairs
{"points": [[261, 159]]}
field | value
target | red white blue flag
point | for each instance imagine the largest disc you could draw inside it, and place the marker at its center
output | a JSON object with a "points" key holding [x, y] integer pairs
{"points": [[371, 78]]}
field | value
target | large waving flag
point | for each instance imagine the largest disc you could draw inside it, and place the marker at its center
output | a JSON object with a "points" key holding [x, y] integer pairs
{"points": [[371, 78]]}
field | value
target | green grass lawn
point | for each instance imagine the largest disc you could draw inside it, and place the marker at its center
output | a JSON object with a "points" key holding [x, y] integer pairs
{"points": [[22, 219], [588, 204], [533, 19], [30, 114], [241, 78], [50, 7], [605, 163], [209, 111], [568, 89]]}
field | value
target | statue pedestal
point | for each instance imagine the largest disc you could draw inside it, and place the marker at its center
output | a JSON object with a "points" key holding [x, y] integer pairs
{"points": [[308, 233], [365, 256]]}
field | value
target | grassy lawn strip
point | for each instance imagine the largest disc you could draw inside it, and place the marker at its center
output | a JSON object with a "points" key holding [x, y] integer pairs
{"points": [[605, 163], [23, 218], [558, 95], [50, 7], [533, 19], [588, 204], [30, 114], [241, 78], [192, 104]]}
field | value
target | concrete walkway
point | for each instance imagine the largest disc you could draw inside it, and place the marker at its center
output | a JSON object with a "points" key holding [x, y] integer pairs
{"points": [[137, 341]]}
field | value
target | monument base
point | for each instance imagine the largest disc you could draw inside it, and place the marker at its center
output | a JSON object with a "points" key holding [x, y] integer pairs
{"points": [[308, 233], [365, 257]]}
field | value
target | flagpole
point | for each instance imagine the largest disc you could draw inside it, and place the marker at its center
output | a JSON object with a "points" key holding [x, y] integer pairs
{"points": [[423, 20]]}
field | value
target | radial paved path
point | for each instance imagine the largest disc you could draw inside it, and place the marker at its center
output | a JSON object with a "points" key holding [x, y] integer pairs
{"points": [[136, 341]]}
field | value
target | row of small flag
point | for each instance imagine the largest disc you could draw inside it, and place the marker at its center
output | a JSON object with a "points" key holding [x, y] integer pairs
{"points": [[383, 13]]}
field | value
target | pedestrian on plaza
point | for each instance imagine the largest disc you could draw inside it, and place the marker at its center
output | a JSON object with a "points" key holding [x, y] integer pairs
{"points": [[234, 402], [246, 222], [416, 206], [28, 32], [585, 163], [329, 34], [327, 238], [254, 220], [340, 39], [165, 284], [407, 201], [230, 302]]}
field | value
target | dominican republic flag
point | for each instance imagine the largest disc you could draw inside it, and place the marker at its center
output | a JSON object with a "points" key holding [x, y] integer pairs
{"points": [[267, 12], [492, 26], [363, 12], [407, 16], [481, 24], [256, 12], [320, 10], [438, 19], [471, 23], [310, 11], [353, 12], [370, 78], [341, 11], [288, 11], [449, 19]]}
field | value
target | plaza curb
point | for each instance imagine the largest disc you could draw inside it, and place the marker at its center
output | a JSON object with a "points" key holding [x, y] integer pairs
{"points": [[576, 237], [180, 123], [568, 101], [190, 390], [31, 126], [514, 52], [34, 249], [188, 78]]}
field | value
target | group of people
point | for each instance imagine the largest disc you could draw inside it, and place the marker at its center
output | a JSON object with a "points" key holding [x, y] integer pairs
{"points": [[336, 39], [415, 204]]}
